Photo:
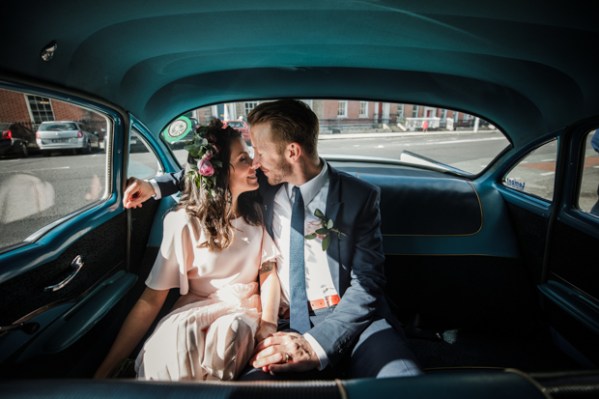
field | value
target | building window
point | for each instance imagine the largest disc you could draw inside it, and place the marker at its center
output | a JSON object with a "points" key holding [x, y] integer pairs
{"points": [[41, 109], [249, 106], [342, 109], [415, 111], [401, 109], [363, 109]]}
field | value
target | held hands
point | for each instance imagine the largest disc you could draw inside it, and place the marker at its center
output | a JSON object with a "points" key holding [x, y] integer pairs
{"points": [[265, 330], [284, 352], [137, 192]]}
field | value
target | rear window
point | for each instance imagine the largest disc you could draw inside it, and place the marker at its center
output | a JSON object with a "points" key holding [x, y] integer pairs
{"points": [[58, 126], [383, 132]]}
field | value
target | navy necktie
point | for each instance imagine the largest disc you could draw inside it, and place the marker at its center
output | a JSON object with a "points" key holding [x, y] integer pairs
{"points": [[299, 319]]}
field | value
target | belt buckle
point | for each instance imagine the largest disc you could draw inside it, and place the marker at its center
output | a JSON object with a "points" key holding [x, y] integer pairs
{"points": [[323, 303], [332, 300]]}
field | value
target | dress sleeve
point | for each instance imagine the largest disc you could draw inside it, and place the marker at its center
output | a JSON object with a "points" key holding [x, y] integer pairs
{"points": [[270, 252], [175, 256]]}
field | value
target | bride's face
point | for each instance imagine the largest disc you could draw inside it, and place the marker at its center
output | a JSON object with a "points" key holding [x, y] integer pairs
{"points": [[242, 175]]}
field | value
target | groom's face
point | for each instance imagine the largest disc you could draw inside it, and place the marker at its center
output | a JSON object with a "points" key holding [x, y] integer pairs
{"points": [[269, 155]]}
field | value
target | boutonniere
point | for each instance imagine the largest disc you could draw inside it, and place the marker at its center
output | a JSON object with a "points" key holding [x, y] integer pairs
{"points": [[324, 228]]}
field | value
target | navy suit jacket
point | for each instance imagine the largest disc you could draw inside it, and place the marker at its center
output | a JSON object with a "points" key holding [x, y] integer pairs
{"points": [[355, 259]]}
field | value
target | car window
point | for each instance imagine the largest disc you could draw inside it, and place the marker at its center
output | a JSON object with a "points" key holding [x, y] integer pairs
{"points": [[47, 175], [588, 196], [143, 163], [535, 174], [412, 134]]}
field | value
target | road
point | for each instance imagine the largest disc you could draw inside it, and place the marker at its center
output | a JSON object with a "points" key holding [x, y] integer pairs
{"points": [[466, 151]]}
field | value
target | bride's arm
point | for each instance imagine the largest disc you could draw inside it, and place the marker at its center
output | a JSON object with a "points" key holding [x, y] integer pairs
{"points": [[270, 294]]}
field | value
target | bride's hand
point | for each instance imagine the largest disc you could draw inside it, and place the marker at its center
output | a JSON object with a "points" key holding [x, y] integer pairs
{"points": [[265, 330]]}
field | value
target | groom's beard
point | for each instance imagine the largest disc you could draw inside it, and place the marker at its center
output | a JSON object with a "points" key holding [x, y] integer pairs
{"points": [[279, 174]]}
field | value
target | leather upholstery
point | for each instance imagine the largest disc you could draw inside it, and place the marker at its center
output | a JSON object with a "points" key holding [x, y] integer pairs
{"points": [[458, 385], [439, 206]]}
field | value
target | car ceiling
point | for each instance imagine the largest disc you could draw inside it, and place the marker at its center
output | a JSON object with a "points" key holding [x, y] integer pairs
{"points": [[507, 61]]}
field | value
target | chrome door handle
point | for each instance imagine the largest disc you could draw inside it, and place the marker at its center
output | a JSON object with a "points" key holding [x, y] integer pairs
{"points": [[28, 328], [76, 265]]}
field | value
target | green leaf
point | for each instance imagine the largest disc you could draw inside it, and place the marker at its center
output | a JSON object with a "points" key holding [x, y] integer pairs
{"points": [[318, 213], [325, 242], [310, 236], [330, 224], [322, 231]]}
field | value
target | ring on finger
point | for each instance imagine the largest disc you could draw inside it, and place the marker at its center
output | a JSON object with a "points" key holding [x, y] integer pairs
{"points": [[287, 357]]}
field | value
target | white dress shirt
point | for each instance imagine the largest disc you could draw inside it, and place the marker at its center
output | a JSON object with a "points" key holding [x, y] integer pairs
{"points": [[319, 281]]}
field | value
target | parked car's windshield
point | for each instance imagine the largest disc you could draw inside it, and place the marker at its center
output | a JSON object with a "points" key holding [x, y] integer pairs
{"points": [[412, 134]]}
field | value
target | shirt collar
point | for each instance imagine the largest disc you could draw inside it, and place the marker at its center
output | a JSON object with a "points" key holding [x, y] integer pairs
{"points": [[310, 188]]}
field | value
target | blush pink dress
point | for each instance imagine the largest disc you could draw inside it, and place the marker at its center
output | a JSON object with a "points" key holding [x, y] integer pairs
{"points": [[210, 333]]}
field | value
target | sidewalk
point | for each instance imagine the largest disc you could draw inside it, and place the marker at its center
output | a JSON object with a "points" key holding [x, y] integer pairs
{"points": [[360, 135]]}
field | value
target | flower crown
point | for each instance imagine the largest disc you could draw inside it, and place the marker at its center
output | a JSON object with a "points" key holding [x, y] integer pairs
{"points": [[203, 158]]}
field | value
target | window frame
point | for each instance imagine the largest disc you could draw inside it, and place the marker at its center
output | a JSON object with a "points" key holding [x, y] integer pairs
{"points": [[58, 233]]}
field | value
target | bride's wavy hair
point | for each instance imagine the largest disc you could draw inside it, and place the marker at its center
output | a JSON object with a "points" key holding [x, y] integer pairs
{"points": [[206, 197]]}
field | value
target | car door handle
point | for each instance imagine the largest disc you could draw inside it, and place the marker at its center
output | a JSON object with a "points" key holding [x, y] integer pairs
{"points": [[28, 328], [76, 265]]}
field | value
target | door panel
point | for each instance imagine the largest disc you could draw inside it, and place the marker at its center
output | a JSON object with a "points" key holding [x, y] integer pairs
{"points": [[64, 243], [570, 292]]}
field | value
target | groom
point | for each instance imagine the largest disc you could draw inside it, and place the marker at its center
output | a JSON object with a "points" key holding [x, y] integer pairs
{"points": [[338, 322]]}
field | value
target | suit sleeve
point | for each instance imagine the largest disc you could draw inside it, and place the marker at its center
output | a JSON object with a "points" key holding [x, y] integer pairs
{"points": [[170, 183], [358, 306]]}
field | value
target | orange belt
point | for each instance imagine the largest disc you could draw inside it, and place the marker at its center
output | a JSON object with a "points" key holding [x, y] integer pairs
{"points": [[325, 302]]}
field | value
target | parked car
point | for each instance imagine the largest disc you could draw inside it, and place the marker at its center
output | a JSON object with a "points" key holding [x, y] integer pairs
{"points": [[490, 238], [11, 145], [65, 135], [18, 139], [243, 127]]}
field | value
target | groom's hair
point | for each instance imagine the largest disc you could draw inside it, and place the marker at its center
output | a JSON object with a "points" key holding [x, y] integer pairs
{"points": [[291, 121]]}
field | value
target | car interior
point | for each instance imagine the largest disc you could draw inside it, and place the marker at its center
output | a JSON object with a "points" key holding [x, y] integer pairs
{"points": [[492, 273]]}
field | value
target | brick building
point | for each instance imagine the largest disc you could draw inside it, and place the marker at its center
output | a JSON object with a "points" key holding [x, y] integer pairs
{"points": [[28, 111], [338, 116]]}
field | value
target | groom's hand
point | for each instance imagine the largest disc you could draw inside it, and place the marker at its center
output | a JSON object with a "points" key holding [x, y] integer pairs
{"points": [[284, 352], [137, 192]]}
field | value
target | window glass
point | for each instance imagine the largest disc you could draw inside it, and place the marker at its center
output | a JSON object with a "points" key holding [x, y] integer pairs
{"points": [[143, 164], [430, 137], [535, 174], [588, 198], [52, 163]]}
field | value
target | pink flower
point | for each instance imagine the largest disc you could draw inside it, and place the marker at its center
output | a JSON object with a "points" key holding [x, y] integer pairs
{"points": [[205, 168], [207, 156]]}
